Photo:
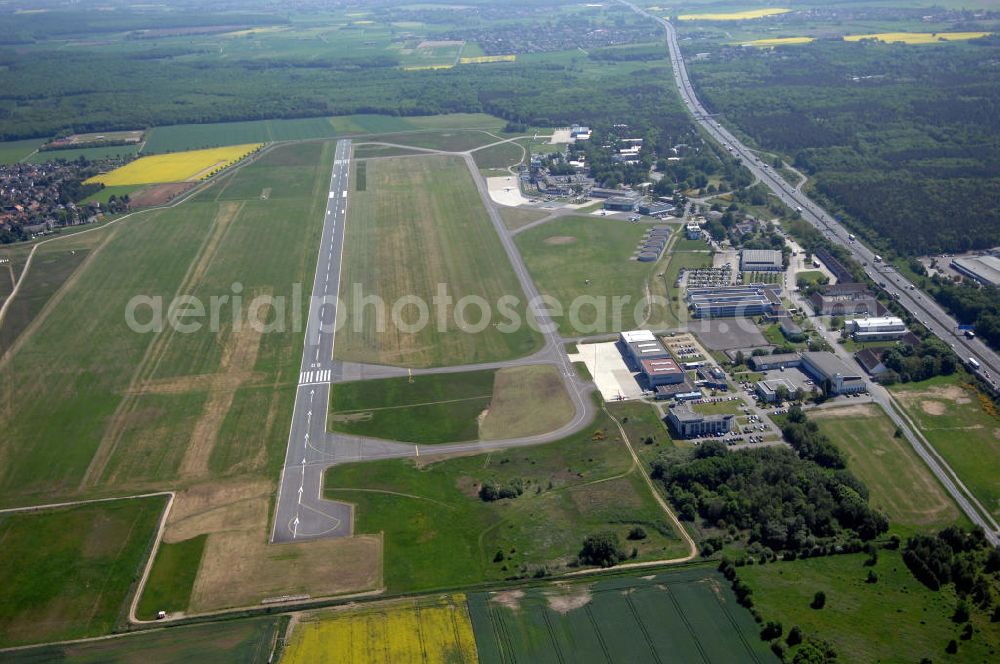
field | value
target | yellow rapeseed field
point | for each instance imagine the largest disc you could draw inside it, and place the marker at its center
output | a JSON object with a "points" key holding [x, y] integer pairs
{"points": [[176, 167], [918, 37], [404, 632], [487, 58], [778, 41], [733, 16], [426, 67]]}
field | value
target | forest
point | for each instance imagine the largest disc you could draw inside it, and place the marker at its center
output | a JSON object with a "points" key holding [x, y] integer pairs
{"points": [[787, 500], [901, 141]]}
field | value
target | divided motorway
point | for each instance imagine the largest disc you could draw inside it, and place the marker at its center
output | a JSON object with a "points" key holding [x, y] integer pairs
{"points": [[920, 306], [917, 303]]}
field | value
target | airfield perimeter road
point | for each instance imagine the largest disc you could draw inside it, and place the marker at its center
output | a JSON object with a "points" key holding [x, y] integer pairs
{"points": [[918, 304], [301, 513]]}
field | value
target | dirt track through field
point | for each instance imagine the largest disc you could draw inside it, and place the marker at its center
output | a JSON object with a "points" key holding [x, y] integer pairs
{"points": [[124, 414]]}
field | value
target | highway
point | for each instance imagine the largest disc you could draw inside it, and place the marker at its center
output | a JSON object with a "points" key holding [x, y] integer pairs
{"points": [[917, 303], [921, 306]]}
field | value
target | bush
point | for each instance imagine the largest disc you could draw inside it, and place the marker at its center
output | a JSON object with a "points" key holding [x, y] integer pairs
{"points": [[637, 533], [602, 549], [819, 600], [772, 630], [794, 637]]}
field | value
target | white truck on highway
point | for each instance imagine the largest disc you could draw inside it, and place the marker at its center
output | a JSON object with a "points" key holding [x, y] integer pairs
{"points": [[851, 238], [974, 363], [878, 259]]}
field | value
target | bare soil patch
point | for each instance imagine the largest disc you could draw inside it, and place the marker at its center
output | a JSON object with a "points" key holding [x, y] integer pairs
{"points": [[159, 194], [556, 240], [862, 410], [933, 407], [563, 599], [239, 567], [510, 599]]}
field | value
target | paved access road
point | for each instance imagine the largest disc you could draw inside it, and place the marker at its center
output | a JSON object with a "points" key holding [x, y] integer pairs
{"points": [[301, 513], [920, 306]]}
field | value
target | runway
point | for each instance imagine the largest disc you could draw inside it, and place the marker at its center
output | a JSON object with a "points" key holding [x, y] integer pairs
{"points": [[301, 514]]}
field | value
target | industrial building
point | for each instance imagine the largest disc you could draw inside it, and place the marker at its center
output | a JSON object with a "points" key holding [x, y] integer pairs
{"points": [[601, 192], [836, 268], [655, 209], [768, 389], [663, 371], [728, 301], [689, 424], [821, 366], [639, 345], [876, 329], [693, 231], [846, 299], [771, 362], [579, 132], [621, 203], [761, 260], [984, 269]]}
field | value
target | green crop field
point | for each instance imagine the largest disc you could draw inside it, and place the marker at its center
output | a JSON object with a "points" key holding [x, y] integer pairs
{"points": [[444, 408], [172, 577], [143, 407], [14, 151], [564, 253], [438, 532], [421, 220], [68, 573], [194, 136], [901, 485], [247, 641], [94, 153], [897, 619], [962, 427], [684, 616]]}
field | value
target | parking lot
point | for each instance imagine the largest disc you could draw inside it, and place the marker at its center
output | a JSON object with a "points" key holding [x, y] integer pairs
{"points": [[726, 333]]}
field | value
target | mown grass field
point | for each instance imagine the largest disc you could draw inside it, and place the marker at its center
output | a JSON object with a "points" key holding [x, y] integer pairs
{"points": [[444, 408], [132, 422], [439, 533], [421, 220], [682, 616], [246, 641], [172, 578], [564, 253], [176, 138], [900, 483], [175, 167], [895, 620], [501, 156], [514, 218], [957, 423], [67, 573], [52, 265], [452, 140], [432, 630]]}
